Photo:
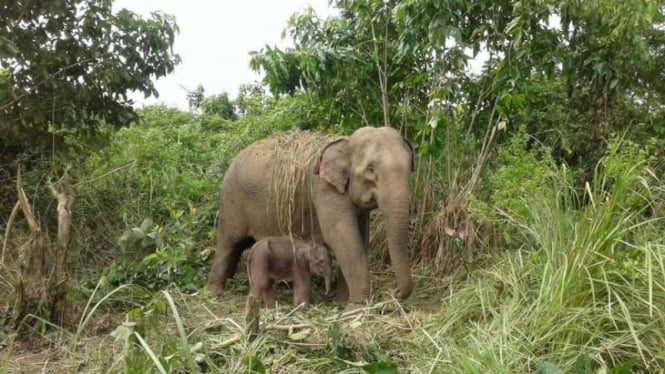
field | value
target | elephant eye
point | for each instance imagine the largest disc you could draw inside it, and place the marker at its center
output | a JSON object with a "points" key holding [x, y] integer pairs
{"points": [[370, 169]]}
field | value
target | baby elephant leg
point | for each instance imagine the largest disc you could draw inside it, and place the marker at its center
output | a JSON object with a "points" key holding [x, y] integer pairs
{"points": [[269, 295], [301, 287]]}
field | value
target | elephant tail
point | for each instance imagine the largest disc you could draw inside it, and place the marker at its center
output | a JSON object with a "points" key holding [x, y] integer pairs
{"points": [[249, 260]]}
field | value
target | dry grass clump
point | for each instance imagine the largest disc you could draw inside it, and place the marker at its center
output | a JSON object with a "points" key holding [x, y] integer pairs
{"points": [[294, 153], [451, 238]]}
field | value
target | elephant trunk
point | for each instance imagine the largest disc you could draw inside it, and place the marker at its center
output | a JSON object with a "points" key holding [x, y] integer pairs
{"points": [[395, 208], [327, 279]]}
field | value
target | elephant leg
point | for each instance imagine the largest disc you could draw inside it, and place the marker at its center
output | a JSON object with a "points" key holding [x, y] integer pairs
{"points": [[363, 226], [340, 231], [342, 293], [269, 296], [301, 287], [225, 262]]}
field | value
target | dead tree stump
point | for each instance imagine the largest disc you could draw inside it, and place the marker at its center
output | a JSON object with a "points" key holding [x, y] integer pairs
{"points": [[35, 293], [58, 290], [252, 316]]}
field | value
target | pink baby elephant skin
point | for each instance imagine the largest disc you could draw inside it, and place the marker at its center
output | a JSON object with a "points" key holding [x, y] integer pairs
{"points": [[277, 258]]}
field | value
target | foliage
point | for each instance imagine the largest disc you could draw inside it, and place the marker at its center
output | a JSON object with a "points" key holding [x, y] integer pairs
{"points": [[69, 66], [219, 105], [195, 98], [159, 179], [568, 291], [251, 100], [172, 257], [152, 193], [349, 66], [519, 175]]}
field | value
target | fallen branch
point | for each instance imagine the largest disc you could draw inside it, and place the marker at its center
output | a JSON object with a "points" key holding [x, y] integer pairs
{"points": [[30, 287], [226, 343], [35, 290], [252, 316], [304, 325], [353, 313], [277, 326], [129, 164]]}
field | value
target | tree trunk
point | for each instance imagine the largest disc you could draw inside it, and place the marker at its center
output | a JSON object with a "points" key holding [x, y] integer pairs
{"points": [[59, 286], [30, 287], [33, 290]]}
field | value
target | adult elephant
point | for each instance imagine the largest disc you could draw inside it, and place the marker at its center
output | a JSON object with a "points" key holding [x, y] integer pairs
{"points": [[322, 188]]}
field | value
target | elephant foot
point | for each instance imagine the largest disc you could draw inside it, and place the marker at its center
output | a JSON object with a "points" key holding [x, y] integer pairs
{"points": [[215, 288], [341, 300], [354, 307], [341, 297]]}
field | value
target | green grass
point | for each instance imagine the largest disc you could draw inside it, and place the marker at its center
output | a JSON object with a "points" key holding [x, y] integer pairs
{"points": [[582, 291], [513, 312]]}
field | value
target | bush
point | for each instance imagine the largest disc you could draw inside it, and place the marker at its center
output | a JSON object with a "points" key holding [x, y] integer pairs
{"points": [[586, 286], [153, 192], [521, 175], [165, 170]]}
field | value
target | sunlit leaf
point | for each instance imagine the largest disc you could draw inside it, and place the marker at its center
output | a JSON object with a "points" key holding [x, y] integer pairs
{"points": [[300, 335], [548, 368], [254, 365], [382, 367]]}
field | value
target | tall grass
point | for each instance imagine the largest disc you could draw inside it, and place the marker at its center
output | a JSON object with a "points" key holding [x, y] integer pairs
{"points": [[586, 284]]}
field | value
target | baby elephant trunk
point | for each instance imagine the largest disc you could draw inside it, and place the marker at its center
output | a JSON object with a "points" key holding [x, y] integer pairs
{"points": [[321, 264], [326, 277]]}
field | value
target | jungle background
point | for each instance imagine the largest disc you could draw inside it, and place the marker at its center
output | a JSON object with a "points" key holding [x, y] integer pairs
{"points": [[537, 201]]}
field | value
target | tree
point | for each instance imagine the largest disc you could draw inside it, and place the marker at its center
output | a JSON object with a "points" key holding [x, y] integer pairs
{"points": [[68, 65], [219, 105], [195, 98], [66, 69], [251, 99]]}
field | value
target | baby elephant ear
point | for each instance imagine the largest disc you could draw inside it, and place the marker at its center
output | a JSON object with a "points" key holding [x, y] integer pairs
{"points": [[303, 253], [333, 164]]}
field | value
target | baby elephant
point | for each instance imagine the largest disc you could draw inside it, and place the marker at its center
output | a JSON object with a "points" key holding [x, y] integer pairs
{"points": [[276, 258]]}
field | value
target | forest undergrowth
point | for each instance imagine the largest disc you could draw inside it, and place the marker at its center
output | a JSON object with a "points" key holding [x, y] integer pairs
{"points": [[577, 285], [537, 199]]}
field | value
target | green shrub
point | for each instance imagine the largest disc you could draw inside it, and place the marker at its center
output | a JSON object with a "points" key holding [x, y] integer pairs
{"points": [[521, 175], [588, 280], [155, 187], [150, 198]]}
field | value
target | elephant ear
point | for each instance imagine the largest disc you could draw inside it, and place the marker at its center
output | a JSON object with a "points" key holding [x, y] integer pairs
{"points": [[410, 148], [303, 255], [333, 164]]}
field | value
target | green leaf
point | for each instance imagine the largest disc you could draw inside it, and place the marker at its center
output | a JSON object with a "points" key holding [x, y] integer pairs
{"points": [[625, 368], [300, 335], [254, 365], [146, 225], [124, 331], [381, 367], [613, 83], [583, 364], [8, 47], [548, 368], [135, 313]]}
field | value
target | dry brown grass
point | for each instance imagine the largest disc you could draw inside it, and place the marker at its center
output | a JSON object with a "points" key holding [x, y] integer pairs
{"points": [[294, 154], [304, 340], [451, 238]]}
